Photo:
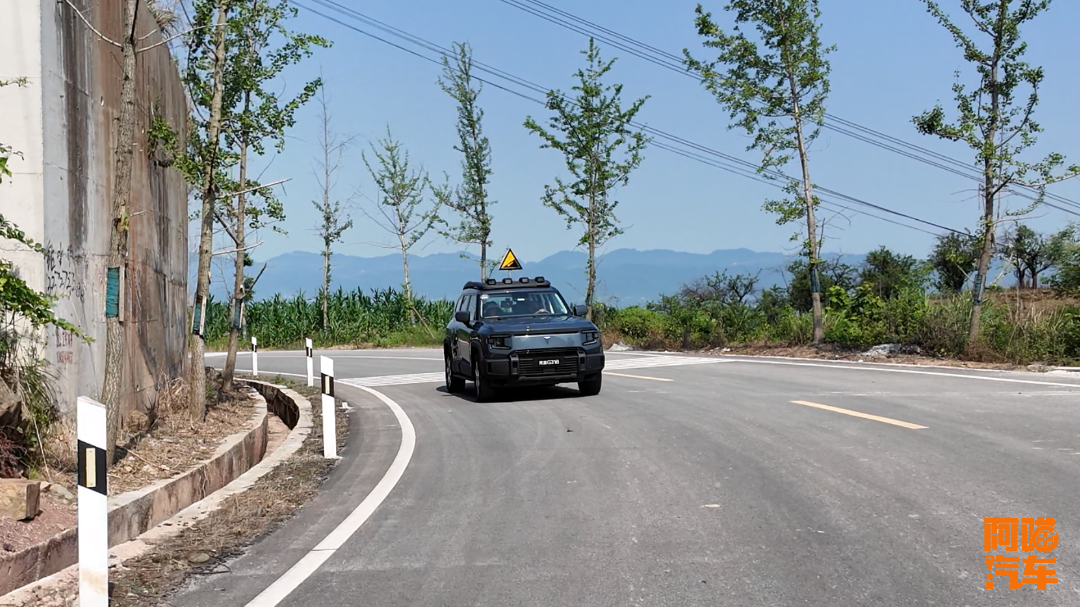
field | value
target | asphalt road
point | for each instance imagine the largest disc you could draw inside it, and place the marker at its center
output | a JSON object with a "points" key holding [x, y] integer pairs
{"points": [[712, 488]]}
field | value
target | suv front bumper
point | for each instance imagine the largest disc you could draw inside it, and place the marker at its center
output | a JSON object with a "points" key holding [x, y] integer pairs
{"points": [[538, 367]]}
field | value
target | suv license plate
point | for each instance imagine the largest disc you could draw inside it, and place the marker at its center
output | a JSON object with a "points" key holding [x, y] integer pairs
{"points": [[549, 362]]}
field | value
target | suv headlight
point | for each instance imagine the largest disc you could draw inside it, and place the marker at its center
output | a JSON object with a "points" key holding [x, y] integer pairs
{"points": [[589, 337], [501, 342]]}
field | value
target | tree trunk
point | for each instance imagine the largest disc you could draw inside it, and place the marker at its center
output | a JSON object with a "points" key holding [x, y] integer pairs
{"points": [[983, 269], [590, 287], [483, 258], [197, 371], [989, 192], [408, 287], [811, 221], [118, 240], [326, 286], [238, 282]]}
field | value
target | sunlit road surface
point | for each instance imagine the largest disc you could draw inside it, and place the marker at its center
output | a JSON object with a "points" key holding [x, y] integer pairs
{"points": [[687, 481]]}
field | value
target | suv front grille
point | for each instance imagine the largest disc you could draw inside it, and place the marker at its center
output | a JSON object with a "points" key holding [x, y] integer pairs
{"points": [[539, 362]]}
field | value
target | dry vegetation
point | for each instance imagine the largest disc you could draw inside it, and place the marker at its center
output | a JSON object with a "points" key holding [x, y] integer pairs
{"points": [[169, 442], [207, 545]]}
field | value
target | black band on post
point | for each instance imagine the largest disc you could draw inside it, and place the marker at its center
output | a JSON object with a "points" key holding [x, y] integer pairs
{"points": [[92, 468]]}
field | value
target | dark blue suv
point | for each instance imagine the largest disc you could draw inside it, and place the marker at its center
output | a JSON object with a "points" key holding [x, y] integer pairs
{"points": [[520, 332]]}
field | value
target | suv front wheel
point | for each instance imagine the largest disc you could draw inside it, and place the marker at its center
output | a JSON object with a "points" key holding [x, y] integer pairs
{"points": [[485, 392], [591, 386]]}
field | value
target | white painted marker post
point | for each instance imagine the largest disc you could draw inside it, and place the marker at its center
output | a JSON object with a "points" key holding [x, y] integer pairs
{"points": [[254, 356], [93, 504], [329, 425], [310, 365]]}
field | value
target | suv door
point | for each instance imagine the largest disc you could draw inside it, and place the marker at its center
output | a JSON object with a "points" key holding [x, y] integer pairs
{"points": [[463, 343]]}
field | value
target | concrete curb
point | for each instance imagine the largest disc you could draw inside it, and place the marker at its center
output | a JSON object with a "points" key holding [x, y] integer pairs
{"points": [[199, 510], [134, 512]]}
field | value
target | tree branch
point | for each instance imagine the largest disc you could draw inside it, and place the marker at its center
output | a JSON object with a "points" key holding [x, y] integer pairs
{"points": [[221, 221], [254, 189], [92, 28], [236, 250]]}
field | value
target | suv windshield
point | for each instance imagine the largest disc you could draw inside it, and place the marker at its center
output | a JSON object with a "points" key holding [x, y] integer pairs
{"points": [[522, 303]]}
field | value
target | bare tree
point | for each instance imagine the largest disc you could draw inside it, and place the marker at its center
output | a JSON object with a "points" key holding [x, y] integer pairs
{"points": [[333, 216], [400, 200]]}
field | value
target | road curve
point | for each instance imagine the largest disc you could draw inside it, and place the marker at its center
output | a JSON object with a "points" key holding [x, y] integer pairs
{"points": [[687, 481]]}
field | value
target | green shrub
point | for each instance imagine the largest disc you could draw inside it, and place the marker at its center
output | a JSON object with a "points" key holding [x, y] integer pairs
{"points": [[638, 324]]}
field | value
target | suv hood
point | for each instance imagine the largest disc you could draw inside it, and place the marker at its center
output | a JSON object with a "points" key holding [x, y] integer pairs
{"points": [[538, 324]]}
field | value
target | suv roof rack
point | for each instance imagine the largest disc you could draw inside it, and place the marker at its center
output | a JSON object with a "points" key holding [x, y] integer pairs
{"points": [[494, 284]]}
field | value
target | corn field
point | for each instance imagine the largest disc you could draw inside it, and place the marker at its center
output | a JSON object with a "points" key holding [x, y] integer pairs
{"points": [[355, 318]]}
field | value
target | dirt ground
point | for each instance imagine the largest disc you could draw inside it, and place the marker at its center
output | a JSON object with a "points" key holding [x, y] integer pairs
{"points": [[173, 445], [57, 515], [204, 548]]}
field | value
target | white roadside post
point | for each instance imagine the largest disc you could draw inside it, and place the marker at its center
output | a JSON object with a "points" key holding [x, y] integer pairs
{"points": [[254, 356], [93, 504], [310, 364], [329, 425]]}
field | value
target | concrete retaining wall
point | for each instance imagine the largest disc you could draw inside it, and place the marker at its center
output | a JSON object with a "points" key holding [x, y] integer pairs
{"points": [[64, 122], [132, 514], [279, 402]]}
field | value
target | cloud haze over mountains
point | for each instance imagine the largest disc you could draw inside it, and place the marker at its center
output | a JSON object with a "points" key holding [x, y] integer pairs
{"points": [[625, 276]]}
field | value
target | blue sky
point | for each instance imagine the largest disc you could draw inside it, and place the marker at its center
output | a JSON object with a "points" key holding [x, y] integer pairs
{"points": [[893, 61]]}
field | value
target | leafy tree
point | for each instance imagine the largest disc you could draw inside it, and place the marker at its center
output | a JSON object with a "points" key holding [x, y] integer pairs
{"points": [[400, 201], [771, 303], [832, 273], [773, 88], [593, 133], [1032, 253], [470, 199], [993, 117], [887, 274], [1066, 279], [954, 258], [259, 47], [334, 219], [722, 289]]}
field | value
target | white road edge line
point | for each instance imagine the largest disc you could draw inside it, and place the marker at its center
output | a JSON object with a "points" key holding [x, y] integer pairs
{"points": [[303, 569], [960, 375]]}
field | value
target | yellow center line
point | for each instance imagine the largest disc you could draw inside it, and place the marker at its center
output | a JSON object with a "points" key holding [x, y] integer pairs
{"points": [[637, 376], [876, 418]]}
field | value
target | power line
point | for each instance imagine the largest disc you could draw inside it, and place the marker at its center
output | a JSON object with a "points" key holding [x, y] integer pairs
{"points": [[674, 63], [674, 139]]}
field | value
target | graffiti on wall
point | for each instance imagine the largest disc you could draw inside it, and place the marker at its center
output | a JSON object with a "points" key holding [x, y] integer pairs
{"points": [[65, 346], [65, 272]]}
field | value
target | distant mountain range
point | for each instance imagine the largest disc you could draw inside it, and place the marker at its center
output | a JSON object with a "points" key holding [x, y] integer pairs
{"points": [[625, 276]]}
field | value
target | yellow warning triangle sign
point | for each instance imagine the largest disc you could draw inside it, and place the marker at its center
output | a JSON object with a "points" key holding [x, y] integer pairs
{"points": [[510, 262]]}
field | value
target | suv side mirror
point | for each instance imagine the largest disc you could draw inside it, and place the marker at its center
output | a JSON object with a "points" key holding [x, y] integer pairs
{"points": [[580, 310], [462, 316]]}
